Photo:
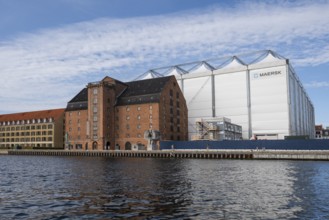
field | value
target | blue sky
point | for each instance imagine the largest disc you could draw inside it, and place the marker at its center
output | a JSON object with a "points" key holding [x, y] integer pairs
{"points": [[49, 50]]}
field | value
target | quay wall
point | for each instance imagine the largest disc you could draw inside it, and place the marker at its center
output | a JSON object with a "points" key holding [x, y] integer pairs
{"points": [[196, 154]]}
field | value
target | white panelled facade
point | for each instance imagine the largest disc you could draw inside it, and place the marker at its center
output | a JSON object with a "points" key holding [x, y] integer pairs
{"points": [[231, 98], [264, 96]]}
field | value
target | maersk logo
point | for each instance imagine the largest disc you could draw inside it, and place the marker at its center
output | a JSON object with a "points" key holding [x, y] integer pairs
{"points": [[266, 74]]}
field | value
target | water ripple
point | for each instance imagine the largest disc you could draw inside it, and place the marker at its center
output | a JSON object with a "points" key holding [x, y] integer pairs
{"points": [[99, 188]]}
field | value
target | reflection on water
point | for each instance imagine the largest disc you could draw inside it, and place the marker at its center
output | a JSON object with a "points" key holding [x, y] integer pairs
{"points": [[103, 188]]}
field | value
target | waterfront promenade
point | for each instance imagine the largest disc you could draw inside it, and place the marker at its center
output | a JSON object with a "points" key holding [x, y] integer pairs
{"points": [[196, 154]]}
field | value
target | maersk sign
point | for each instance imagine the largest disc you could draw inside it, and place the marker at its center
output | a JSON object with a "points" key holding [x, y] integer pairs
{"points": [[266, 74], [259, 91]]}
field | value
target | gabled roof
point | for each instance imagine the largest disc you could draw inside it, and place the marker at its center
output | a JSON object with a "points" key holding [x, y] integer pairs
{"points": [[51, 113], [82, 96], [149, 75], [201, 67], [209, 65], [145, 87]]}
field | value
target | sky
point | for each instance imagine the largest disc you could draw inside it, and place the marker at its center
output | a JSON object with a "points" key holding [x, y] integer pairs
{"points": [[49, 50]]}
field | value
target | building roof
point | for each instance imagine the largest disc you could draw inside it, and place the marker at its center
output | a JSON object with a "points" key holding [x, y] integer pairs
{"points": [[140, 91], [82, 96], [242, 60], [145, 87], [143, 91], [51, 113]]}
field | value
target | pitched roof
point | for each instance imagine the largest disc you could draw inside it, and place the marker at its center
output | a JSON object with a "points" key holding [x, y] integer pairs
{"points": [[140, 91], [145, 87], [82, 96], [51, 113]]}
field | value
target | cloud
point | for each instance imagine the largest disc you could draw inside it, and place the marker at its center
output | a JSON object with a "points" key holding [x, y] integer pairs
{"points": [[48, 67], [316, 84]]}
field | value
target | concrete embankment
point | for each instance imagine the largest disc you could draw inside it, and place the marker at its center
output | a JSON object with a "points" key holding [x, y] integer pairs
{"points": [[3, 152], [197, 154]]}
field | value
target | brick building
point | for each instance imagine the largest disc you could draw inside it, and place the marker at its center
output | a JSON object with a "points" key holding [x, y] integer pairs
{"points": [[32, 129], [110, 114], [321, 132]]}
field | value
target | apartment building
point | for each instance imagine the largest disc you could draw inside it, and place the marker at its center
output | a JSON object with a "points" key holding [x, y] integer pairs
{"points": [[32, 129]]}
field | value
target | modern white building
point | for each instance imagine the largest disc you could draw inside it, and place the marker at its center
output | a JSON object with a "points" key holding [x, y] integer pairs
{"points": [[259, 91]]}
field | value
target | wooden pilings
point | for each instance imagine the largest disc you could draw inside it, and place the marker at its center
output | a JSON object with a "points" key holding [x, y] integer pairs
{"points": [[195, 154], [142, 154]]}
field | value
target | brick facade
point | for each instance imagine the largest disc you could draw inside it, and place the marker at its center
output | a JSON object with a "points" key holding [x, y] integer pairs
{"points": [[113, 115]]}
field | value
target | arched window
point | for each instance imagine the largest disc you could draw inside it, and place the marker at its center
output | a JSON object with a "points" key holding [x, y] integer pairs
{"points": [[128, 146], [95, 145]]}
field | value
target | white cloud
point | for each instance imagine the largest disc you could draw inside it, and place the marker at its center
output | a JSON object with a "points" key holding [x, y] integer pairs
{"points": [[317, 84], [58, 62]]}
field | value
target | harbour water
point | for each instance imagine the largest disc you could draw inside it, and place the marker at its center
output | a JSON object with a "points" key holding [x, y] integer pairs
{"points": [[46, 187]]}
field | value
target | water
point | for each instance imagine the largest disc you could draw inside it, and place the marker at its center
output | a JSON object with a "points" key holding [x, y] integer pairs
{"points": [[36, 187]]}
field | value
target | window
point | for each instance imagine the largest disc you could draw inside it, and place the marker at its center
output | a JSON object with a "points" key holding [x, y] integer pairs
{"points": [[139, 135], [171, 92], [95, 101], [150, 116], [127, 126], [50, 126], [95, 118], [138, 108], [150, 107], [138, 117], [95, 91], [70, 121], [138, 126], [127, 109], [127, 117], [177, 95]]}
